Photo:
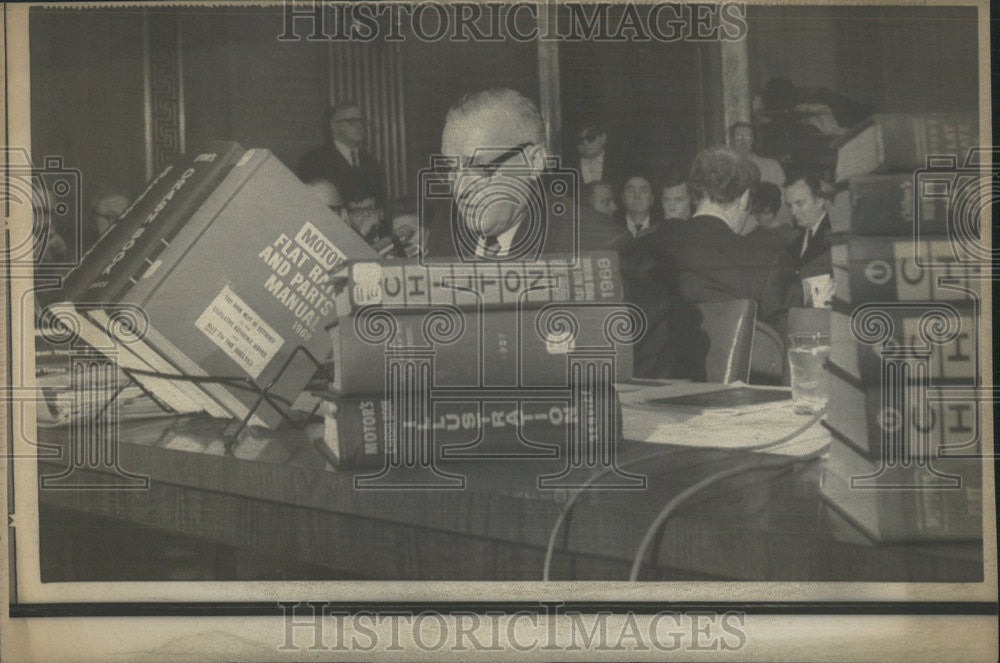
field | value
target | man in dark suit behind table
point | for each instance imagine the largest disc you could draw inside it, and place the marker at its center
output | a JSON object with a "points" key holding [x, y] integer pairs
{"points": [[342, 159]]}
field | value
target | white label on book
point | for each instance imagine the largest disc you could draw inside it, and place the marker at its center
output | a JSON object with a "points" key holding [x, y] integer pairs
{"points": [[319, 246], [239, 332], [367, 283]]}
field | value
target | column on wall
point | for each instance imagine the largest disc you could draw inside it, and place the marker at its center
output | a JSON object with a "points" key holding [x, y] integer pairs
{"points": [[163, 89], [371, 74]]}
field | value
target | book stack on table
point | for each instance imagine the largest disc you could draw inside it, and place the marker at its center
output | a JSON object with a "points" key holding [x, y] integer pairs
{"points": [[471, 359], [904, 464], [212, 290]]}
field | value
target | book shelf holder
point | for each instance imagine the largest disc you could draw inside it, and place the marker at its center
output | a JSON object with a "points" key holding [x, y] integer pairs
{"points": [[236, 424]]}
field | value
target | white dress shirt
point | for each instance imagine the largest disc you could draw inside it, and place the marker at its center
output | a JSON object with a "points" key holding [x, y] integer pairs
{"points": [[636, 227], [351, 154], [504, 239]]}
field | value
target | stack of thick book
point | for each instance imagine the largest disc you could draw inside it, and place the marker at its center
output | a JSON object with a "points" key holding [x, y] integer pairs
{"points": [[214, 286], [904, 463], [473, 360]]}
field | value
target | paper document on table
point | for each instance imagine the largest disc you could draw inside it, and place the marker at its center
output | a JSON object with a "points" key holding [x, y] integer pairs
{"points": [[646, 418]]}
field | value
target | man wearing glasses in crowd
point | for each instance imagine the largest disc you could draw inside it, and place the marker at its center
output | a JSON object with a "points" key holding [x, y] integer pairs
{"points": [[502, 207], [342, 159]]}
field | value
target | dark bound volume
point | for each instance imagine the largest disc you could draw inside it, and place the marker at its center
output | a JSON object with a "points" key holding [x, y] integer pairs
{"points": [[911, 420], [135, 238], [905, 503], [500, 347], [892, 143], [953, 360], [401, 283], [885, 205], [243, 285], [359, 431], [893, 269]]}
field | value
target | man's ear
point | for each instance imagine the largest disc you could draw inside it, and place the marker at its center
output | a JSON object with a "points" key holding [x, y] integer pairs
{"points": [[536, 156]]}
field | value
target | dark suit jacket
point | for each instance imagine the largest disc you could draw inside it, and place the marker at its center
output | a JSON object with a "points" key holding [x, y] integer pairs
{"points": [[708, 262], [613, 170], [328, 163], [816, 259]]}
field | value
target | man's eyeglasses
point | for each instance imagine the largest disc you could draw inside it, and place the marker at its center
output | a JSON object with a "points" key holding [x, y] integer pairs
{"points": [[485, 169]]}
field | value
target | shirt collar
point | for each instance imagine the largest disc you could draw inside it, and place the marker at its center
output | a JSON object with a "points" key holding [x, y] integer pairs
{"points": [[344, 150], [504, 240]]}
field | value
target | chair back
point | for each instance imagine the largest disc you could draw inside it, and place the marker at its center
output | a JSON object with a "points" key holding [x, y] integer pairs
{"points": [[730, 329]]}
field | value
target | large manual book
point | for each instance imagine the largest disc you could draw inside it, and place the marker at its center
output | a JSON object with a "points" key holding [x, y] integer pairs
{"points": [[151, 219], [901, 142], [905, 503], [908, 419], [955, 359], [594, 277], [892, 269], [364, 431], [243, 290], [520, 347], [115, 343], [886, 205]]}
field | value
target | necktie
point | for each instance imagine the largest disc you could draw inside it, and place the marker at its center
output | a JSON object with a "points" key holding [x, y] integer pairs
{"points": [[354, 159], [491, 247]]}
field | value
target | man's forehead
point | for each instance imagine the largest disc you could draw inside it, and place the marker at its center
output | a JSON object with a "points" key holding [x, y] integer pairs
{"points": [[637, 183], [483, 130], [347, 113], [799, 191]]}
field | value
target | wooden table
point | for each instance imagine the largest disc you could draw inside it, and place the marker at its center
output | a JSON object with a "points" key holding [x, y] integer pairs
{"points": [[277, 496]]}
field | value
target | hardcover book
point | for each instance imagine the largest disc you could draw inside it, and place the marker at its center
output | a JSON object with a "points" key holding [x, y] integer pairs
{"points": [[955, 359], [887, 143], [139, 233], [905, 503], [401, 283], [498, 348], [885, 205], [360, 431], [242, 292], [910, 420], [891, 269]]}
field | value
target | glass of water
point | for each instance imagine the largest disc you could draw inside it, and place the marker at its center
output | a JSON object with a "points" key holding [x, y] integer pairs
{"points": [[807, 354]]}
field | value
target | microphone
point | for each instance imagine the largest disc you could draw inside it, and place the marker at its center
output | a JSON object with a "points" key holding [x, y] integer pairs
{"points": [[395, 244]]}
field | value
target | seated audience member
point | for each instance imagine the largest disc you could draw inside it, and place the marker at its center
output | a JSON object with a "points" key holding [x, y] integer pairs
{"points": [[642, 277], [598, 227], [808, 198], [675, 199], [342, 158], [637, 204], [741, 139], [49, 246], [709, 260], [105, 208], [326, 191], [404, 221], [769, 225], [366, 216], [594, 161], [600, 197]]}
